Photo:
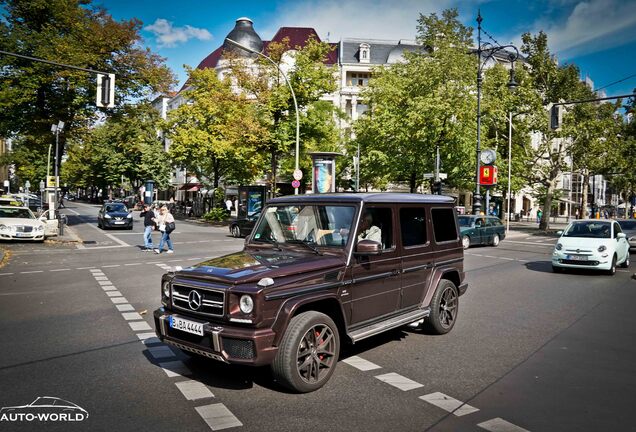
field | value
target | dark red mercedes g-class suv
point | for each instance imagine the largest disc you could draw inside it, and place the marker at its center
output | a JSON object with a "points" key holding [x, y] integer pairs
{"points": [[318, 271]]}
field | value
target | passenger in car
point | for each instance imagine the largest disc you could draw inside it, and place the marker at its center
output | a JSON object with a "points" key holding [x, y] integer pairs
{"points": [[369, 231]]}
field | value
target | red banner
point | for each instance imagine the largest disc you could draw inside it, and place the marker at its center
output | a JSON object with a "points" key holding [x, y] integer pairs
{"points": [[487, 175]]}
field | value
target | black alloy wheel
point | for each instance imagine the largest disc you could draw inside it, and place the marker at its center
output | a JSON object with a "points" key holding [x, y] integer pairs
{"points": [[444, 308], [308, 353]]}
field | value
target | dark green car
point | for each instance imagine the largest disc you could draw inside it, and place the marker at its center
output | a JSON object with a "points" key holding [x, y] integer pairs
{"points": [[478, 230]]}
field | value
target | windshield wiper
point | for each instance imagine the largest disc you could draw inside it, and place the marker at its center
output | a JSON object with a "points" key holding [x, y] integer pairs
{"points": [[310, 245]]}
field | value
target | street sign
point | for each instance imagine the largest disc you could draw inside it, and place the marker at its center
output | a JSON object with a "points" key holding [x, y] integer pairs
{"points": [[50, 181], [296, 184], [105, 91], [298, 174], [487, 175]]}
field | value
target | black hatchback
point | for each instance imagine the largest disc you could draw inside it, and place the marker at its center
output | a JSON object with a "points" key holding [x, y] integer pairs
{"points": [[114, 215]]}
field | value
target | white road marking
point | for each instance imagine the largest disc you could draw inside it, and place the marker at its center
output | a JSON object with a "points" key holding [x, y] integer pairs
{"points": [[103, 283], [140, 326], [113, 293], [124, 308], [449, 404], [118, 300], [529, 243], [129, 316], [109, 288], [175, 368], [500, 425], [57, 270], [68, 209], [520, 260], [144, 336], [95, 270], [506, 258], [399, 381], [361, 364], [32, 271], [133, 264], [152, 340], [112, 265], [193, 390], [91, 268], [218, 417], [101, 278], [161, 351], [110, 236], [5, 274]]}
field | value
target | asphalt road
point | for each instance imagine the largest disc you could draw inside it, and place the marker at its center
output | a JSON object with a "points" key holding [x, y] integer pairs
{"points": [[531, 350]]}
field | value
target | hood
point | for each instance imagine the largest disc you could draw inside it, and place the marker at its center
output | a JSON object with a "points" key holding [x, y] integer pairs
{"points": [[252, 265], [584, 243], [20, 221], [121, 214]]}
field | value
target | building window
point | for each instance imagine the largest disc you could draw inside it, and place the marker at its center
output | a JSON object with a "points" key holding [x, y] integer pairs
{"points": [[358, 79], [364, 53]]}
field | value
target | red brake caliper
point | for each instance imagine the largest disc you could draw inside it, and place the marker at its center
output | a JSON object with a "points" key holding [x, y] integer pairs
{"points": [[321, 356]]}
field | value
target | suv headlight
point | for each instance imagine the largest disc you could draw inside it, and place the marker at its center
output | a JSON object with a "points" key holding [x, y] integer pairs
{"points": [[246, 304], [558, 246], [165, 292], [107, 216], [3, 227], [602, 248]]}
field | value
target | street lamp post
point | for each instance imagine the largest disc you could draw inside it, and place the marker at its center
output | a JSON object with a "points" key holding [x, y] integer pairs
{"points": [[489, 51], [56, 129], [291, 89]]}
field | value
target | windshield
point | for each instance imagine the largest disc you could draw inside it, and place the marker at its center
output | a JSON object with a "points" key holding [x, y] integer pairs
{"points": [[116, 208], [17, 212], [322, 225], [465, 221], [589, 229]]}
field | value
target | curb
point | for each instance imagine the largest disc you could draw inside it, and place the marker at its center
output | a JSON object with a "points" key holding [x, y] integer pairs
{"points": [[70, 237]]}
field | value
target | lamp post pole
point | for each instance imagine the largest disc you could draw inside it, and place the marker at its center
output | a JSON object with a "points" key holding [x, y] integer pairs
{"points": [[509, 169], [489, 50], [291, 89]]}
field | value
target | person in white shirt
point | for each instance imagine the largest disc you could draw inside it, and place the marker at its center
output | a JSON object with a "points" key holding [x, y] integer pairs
{"points": [[162, 222], [368, 231]]}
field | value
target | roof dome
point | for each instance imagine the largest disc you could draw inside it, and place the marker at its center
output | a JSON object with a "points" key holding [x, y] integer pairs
{"points": [[243, 33]]}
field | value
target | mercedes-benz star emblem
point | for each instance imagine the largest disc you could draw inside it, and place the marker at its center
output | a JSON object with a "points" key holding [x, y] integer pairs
{"points": [[194, 300]]}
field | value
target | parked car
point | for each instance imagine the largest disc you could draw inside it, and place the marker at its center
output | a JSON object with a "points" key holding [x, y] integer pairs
{"points": [[353, 266], [114, 215], [629, 228], [480, 230], [19, 223], [243, 227], [597, 244]]}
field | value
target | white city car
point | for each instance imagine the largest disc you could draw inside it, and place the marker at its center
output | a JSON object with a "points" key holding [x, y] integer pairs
{"points": [[591, 244], [19, 223]]}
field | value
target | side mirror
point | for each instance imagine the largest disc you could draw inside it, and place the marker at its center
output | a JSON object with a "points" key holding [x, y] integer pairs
{"points": [[368, 247], [621, 236], [559, 233]]}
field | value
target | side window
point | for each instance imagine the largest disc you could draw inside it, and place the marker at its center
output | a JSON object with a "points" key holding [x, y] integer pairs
{"points": [[444, 226], [617, 229], [413, 226], [377, 224]]}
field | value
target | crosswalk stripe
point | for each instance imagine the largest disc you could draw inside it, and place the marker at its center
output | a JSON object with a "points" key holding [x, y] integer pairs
{"points": [[139, 325], [360, 363], [175, 368], [193, 390], [218, 417], [500, 425], [449, 404], [396, 380]]}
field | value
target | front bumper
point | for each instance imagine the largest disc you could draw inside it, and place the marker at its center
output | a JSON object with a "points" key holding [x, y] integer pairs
{"points": [[33, 236], [229, 344], [113, 223], [600, 261]]}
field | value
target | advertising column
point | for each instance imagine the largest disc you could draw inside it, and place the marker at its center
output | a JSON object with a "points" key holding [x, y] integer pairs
{"points": [[323, 173]]}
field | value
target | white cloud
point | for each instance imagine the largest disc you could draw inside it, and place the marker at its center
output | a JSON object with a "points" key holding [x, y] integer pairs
{"points": [[169, 36], [380, 19], [591, 26]]}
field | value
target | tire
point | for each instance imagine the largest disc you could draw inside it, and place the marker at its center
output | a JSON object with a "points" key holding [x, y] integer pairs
{"points": [[556, 269], [495, 240], [236, 231], [612, 270], [626, 262], [299, 365], [99, 225], [466, 242], [444, 308]]}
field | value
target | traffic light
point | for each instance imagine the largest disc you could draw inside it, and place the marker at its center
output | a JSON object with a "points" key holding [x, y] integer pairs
{"points": [[437, 188], [555, 117], [105, 91]]}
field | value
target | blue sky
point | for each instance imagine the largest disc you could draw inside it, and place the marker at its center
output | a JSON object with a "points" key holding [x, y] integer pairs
{"points": [[597, 35]]}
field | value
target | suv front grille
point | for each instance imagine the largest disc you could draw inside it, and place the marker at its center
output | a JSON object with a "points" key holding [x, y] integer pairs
{"points": [[209, 302]]}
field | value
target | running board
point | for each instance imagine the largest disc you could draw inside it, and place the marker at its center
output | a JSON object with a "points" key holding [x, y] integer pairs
{"points": [[393, 322]]}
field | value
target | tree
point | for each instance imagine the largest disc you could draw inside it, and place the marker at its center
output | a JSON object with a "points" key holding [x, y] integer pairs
{"points": [[547, 157], [34, 95], [310, 78], [216, 134], [420, 104]]}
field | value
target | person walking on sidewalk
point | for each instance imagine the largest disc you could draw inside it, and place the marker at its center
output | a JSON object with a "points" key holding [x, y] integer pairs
{"points": [[165, 221], [149, 226]]}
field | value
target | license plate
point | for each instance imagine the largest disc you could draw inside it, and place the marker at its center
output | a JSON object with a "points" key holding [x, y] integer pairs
{"points": [[577, 257], [120, 222], [20, 234], [186, 325]]}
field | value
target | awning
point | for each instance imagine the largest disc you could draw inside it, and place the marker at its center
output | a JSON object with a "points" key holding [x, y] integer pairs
{"points": [[190, 187]]}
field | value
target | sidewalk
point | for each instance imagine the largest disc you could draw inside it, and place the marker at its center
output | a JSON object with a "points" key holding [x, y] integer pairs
{"points": [[70, 236]]}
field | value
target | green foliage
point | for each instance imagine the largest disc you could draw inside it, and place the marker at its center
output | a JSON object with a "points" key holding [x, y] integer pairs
{"points": [[215, 215], [34, 95], [424, 102]]}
